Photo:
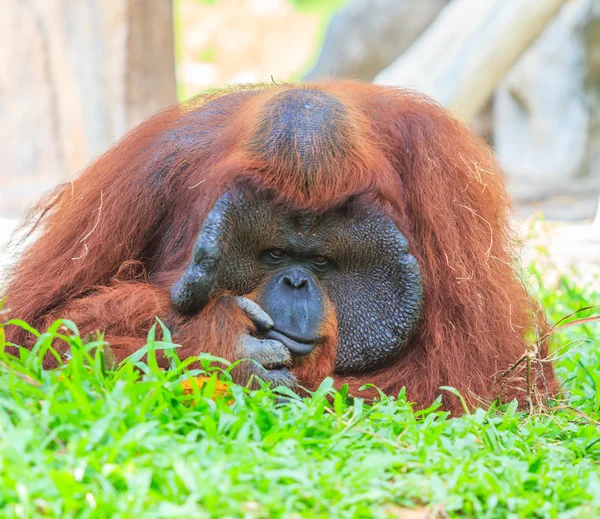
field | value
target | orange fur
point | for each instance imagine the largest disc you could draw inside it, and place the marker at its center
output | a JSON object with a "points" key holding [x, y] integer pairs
{"points": [[145, 200]]}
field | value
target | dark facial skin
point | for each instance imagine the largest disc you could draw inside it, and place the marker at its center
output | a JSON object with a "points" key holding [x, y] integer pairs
{"points": [[354, 257]]}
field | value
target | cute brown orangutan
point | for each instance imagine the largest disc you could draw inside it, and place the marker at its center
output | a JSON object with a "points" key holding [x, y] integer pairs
{"points": [[328, 229]]}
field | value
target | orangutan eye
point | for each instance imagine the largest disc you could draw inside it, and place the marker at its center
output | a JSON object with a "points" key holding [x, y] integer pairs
{"points": [[319, 261], [276, 254]]}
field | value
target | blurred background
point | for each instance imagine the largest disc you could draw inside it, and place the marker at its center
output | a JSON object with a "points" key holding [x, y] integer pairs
{"points": [[75, 75]]}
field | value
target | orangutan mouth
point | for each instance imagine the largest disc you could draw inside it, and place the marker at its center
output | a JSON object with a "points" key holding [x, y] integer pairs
{"points": [[298, 347]]}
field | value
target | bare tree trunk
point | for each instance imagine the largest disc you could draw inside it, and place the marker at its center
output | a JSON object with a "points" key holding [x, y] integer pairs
{"points": [[460, 59], [76, 75], [368, 35]]}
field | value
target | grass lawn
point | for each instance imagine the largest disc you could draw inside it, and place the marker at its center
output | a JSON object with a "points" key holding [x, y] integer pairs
{"points": [[87, 442]]}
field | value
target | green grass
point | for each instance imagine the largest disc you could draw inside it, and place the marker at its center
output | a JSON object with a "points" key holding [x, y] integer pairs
{"points": [[86, 441]]}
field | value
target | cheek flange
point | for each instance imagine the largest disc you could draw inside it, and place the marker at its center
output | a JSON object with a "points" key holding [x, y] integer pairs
{"points": [[225, 254], [193, 290], [378, 299]]}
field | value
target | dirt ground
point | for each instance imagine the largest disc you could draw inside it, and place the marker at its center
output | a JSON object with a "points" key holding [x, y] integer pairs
{"points": [[572, 248]]}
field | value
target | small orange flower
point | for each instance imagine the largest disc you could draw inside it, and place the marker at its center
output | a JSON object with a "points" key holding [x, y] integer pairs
{"points": [[221, 388]]}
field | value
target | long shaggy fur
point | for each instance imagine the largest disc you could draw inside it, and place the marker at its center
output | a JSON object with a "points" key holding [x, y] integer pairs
{"points": [[114, 240]]}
